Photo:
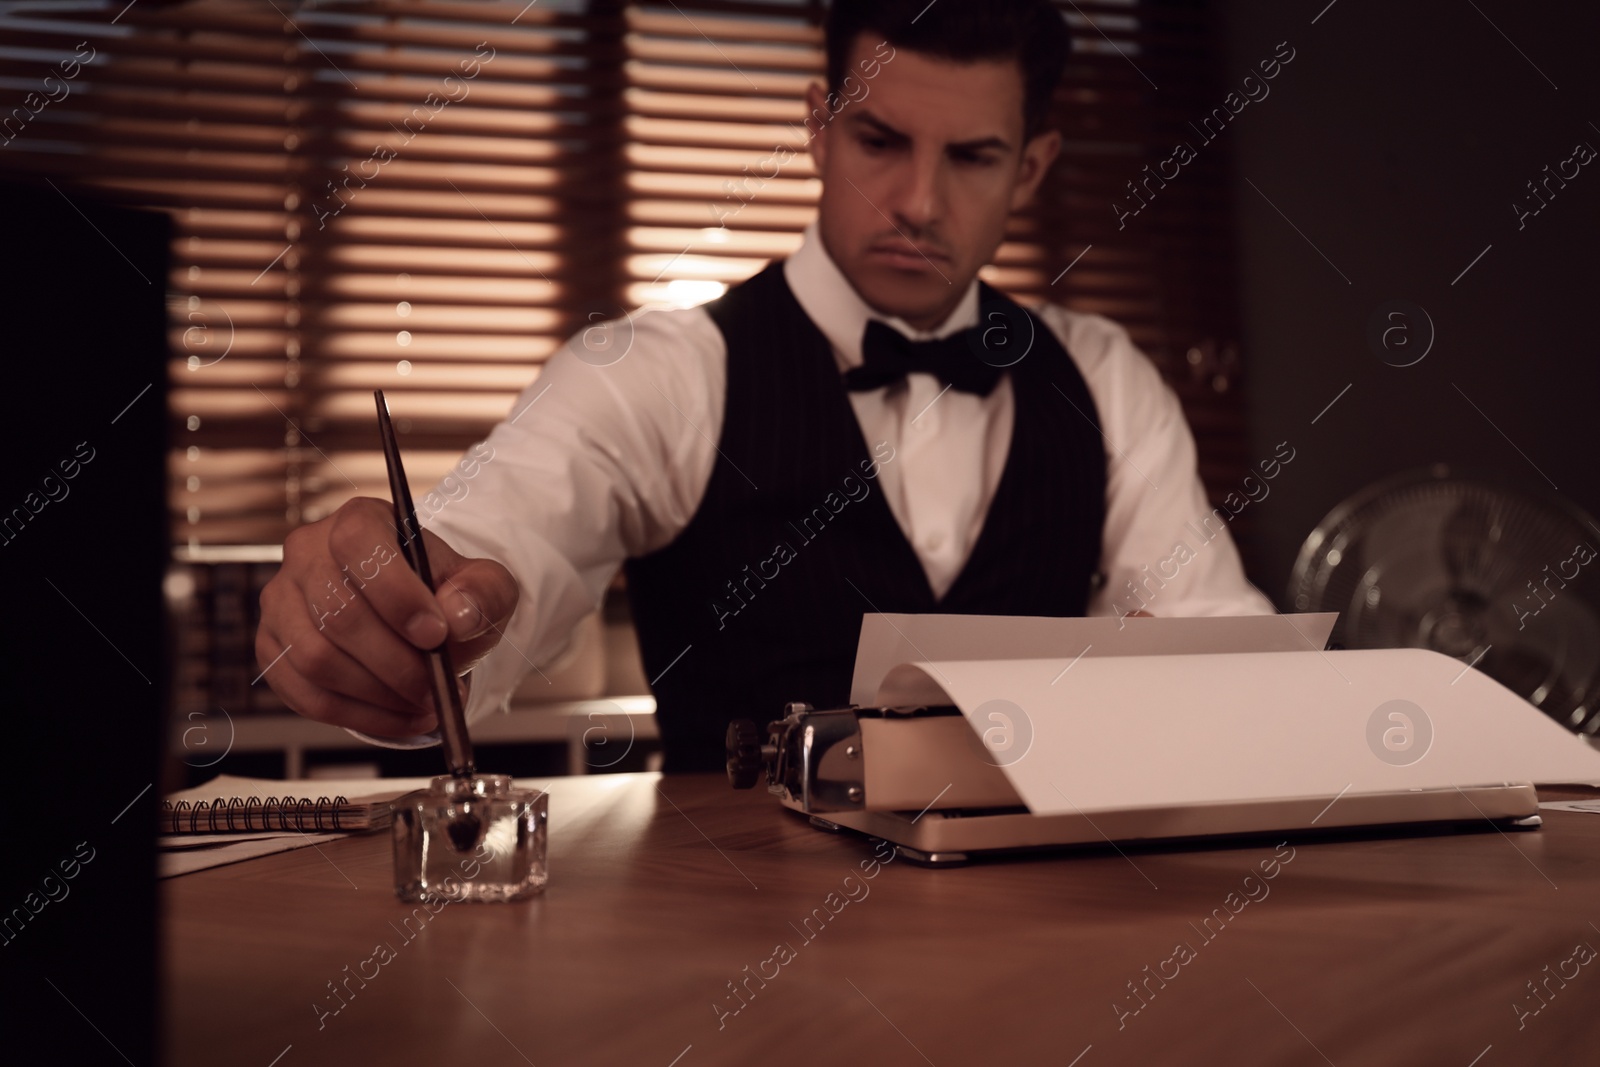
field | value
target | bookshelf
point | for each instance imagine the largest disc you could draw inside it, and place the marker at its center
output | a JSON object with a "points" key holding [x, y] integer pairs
{"points": [[593, 731]]}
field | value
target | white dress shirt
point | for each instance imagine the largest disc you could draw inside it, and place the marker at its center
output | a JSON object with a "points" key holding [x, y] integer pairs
{"points": [[604, 458]]}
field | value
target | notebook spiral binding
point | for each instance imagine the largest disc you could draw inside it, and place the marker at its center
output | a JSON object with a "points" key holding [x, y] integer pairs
{"points": [[239, 813]]}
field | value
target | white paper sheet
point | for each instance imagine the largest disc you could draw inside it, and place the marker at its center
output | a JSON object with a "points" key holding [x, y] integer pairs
{"points": [[1119, 732], [1591, 806], [171, 863], [889, 640]]}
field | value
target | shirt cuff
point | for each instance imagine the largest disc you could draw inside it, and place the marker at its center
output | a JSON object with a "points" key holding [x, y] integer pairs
{"points": [[416, 741]]}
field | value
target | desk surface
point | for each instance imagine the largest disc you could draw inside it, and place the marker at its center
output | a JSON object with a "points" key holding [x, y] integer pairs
{"points": [[664, 890]]}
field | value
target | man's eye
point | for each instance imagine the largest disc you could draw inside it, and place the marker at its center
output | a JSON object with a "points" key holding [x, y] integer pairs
{"points": [[876, 144]]}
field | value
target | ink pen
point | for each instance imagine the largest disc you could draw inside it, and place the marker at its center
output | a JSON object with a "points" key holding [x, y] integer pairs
{"points": [[452, 717]]}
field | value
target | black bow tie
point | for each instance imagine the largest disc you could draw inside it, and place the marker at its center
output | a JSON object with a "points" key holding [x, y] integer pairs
{"points": [[889, 355]]}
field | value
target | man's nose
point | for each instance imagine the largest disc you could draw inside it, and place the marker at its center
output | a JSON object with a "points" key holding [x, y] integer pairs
{"points": [[919, 196]]}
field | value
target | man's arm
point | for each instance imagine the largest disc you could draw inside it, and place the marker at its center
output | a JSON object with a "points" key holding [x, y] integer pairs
{"points": [[1165, 552], [601, 458]]}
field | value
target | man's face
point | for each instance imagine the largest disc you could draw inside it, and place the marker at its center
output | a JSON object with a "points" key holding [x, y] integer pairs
{"points": [[919, 175]]}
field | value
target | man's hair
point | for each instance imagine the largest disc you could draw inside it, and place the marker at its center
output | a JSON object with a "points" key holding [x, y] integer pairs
{"points": [[1031, 32]]}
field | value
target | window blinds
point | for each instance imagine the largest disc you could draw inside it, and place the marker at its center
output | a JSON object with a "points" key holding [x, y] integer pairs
{"points": [[430, 197]]}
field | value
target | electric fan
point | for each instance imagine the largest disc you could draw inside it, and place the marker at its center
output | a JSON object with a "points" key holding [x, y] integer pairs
{"points": [[1496, 576]]}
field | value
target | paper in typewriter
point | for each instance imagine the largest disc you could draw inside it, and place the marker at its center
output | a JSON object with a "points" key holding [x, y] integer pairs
{"points": [[890, 640], [1160, 713]]}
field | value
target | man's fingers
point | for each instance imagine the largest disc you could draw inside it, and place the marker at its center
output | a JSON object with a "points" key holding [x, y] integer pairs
{"points": [[371, 567], [326, 705], [323, 663], [367, 647], [349, 652], [477, 596], [320, 656], [468, 654], [343, 621]]}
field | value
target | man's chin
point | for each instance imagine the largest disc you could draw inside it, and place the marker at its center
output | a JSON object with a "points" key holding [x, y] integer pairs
{"points": [[922, 298]]}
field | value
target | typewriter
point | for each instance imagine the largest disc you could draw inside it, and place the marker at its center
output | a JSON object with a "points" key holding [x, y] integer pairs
{"points": [[1172, 747]]}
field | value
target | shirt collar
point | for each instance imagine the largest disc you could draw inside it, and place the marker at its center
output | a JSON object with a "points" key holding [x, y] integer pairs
{"points": [[827, 296]]}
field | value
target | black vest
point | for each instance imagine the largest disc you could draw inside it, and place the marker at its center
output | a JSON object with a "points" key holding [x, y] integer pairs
{"points": [[758, 601]]}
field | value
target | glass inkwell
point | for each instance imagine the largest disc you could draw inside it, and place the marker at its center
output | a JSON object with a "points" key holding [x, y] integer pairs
{"points": [[467, 837], [470, 839]]}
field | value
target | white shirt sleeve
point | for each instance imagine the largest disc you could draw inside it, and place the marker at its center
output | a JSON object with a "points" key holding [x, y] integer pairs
{"points": [[602, 458], [1164, 550]]}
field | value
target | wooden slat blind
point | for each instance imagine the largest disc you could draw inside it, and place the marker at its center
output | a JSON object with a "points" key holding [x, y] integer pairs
{"points": [[429, 197]]}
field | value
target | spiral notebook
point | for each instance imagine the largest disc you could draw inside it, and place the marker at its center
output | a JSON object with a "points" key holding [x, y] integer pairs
{"points": [[197, 834], [229, 804]]}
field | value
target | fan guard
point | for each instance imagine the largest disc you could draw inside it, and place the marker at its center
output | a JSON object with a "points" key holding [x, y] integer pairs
{"points": [[1464, 564]]}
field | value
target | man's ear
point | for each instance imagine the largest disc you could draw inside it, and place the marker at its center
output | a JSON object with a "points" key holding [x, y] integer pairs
{"points": [[817, 128], [1037, 155]]}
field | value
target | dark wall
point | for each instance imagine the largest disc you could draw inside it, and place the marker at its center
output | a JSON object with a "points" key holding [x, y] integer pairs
{"points": [[1396, 142], [84, 549]]}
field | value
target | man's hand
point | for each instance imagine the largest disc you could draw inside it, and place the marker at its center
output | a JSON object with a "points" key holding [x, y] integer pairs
{"points": [[350, 621]]}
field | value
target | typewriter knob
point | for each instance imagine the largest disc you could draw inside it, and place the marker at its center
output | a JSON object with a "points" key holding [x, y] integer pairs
{"points": [[744, 754]]}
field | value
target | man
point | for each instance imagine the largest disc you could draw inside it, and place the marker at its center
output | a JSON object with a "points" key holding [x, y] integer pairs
{"points": [[774, 464]]}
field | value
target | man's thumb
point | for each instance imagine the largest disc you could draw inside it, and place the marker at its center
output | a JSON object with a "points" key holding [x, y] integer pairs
{"points": [[476, 595]]}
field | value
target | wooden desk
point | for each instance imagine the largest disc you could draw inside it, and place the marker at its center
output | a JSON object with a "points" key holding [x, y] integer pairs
{"points": [[663, 890]]}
